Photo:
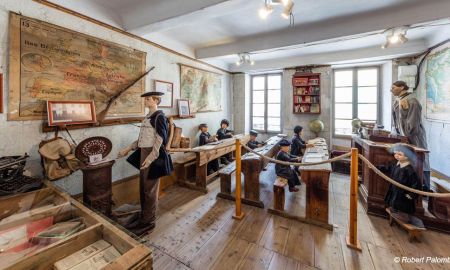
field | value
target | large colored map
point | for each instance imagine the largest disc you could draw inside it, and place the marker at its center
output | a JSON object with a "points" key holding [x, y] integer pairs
{"points": [[61, 64], [202, 88], [438, 86]]}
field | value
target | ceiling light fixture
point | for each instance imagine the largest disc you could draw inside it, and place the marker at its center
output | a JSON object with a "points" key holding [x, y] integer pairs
{"points": [[288, 5], [244, 58], [395, 35]]}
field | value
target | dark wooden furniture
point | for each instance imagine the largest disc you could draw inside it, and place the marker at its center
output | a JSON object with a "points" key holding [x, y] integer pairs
{"points": [[373, 188], [306, 93], [413, 231], [316, 178], [252, 165], [206, 153], [278, 194]]}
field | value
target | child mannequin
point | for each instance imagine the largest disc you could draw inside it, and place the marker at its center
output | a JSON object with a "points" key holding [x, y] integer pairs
{"points": [[206, 138], [253, 143], [286, 171]]}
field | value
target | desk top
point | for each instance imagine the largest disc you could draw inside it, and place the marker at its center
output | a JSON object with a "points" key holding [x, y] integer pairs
{"points": [[384, 144], [270, 144], [317, 153], [227, 142]]}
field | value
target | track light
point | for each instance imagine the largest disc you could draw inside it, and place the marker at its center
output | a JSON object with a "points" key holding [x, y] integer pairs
{"points": [[244, 58], [287, 12], [396, 35], [265, 11]]}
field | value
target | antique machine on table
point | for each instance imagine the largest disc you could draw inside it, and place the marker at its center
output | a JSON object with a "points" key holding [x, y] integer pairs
{"points": [[12, 178], [97, 174]]}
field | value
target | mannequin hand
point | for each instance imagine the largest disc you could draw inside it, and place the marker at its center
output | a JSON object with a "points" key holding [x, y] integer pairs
{"points": [[124, 152], [309, 145], [299, 158], [145, 164]]}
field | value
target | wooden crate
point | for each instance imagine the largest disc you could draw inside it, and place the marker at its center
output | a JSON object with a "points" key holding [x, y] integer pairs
{"points": [[25, 208]]}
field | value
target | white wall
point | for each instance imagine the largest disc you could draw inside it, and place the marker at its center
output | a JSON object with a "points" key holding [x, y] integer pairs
{"points": [[19, 137], [386, 96], [438, 138]]}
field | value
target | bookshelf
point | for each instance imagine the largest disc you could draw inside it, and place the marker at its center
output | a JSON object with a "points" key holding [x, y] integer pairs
{"points": [[306, 93]]}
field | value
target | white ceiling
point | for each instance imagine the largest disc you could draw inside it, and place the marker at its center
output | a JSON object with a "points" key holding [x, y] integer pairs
{"points": [[215, 30]]}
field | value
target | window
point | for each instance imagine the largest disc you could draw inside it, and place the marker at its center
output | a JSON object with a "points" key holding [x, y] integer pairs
{"points": [[355, 96], [266, 103]]}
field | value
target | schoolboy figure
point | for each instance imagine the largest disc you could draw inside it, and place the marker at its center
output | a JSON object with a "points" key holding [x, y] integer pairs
{"points": [[224, 133], [402, 171], [206, 138], [298, 144], [253, 143], [286, 171]]}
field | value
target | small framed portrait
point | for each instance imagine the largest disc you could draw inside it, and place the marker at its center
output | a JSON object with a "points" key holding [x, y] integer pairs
{"points": [[183, 108], [167, 89], [71, 112]]}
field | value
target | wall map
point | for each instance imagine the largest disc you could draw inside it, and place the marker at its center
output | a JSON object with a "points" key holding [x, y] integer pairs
{"points": [[48, 62]]}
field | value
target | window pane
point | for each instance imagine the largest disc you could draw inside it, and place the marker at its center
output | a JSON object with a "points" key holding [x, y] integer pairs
{"points": [[343, 94], [367, 77], [273, 124], [258, 109], [258, 123], [343, 78], [274, 96], [258, 83], [343, 127], [274, 82], [258, 96], [367, 112], [367, 94], [273, 109], [343, 111]]}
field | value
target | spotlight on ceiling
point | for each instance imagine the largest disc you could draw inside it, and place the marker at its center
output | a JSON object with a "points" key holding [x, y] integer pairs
{"points": [[287, 12], [244, 58], [265, 11], [396, 35]]}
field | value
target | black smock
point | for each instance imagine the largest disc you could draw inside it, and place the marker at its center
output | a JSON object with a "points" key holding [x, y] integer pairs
{"points": [[396, 197], [298, 144], [162, 166], [253, 144], [286, 171], [222, 134]]}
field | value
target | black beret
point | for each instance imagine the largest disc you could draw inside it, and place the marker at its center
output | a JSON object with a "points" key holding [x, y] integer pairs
{"points": [[225, 121], [253, 132], [202, 126], [153, 93], [284, 142]]}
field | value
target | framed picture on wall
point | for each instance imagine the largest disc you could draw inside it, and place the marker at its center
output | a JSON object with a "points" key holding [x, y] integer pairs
{"points": [[183, 108], [167, 89], [70, 112]]}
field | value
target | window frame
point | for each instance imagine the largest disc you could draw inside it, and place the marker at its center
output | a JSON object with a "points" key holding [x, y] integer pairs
{"points": [[354, 102], [266, 103]]}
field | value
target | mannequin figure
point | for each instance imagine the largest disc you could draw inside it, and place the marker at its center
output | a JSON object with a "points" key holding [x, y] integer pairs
{"points": [[154, 161]]}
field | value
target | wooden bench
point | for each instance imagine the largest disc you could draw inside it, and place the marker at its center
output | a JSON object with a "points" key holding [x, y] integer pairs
{"points": [[225, 181], [413, 231], [278, 192]]}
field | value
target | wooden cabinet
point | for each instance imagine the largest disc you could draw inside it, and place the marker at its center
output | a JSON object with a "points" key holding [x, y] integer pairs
{"points": [[306, 93]]}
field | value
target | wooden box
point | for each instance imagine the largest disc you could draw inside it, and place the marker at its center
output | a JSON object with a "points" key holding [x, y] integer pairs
{"points": [[48, 202]]}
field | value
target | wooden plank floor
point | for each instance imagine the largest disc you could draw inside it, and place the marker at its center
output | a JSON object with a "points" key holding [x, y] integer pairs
{"points": [[196, 231]]}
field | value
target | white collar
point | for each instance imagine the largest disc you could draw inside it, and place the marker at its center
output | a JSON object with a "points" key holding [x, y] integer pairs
{"points": [[403, 165]]}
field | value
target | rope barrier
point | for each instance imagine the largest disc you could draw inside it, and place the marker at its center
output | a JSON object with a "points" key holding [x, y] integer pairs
{"points": [[395, 183], [295, 163]]}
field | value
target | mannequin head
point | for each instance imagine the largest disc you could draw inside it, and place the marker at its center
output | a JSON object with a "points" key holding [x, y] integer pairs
{"points": [[398, 88], [298, 130], [152, 102]]}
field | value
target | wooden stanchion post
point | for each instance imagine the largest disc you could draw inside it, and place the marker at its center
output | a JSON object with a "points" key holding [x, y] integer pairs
{"points": [[239, 214], [352, 238]]}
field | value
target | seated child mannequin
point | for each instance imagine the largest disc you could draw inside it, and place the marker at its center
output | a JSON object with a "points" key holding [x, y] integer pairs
{"points": [[298, 144], [253, 143], [286, 171], [206, 138], [224, 133], [402, 203]]}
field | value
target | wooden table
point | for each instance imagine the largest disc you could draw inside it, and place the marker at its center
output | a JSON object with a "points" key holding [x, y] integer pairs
{"points": [[207, 153], [252, 165], [316, 178]]}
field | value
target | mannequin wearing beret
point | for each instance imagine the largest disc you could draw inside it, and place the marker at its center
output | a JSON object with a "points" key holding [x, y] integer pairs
{"points": [[403, 172], [155, 161], [286, 171], [253, 143], [224, 133]]}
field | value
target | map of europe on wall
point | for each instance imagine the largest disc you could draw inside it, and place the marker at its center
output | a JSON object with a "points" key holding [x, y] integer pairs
{"points": [[438, 86], [202, 88]]}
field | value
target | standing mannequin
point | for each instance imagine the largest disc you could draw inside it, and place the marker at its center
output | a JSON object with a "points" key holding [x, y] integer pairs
{"points": [[154, 160], [407, 116]]}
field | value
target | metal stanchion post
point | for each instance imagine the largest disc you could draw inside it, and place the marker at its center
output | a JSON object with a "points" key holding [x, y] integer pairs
{"points": [[239, 214], [352, 238]]}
